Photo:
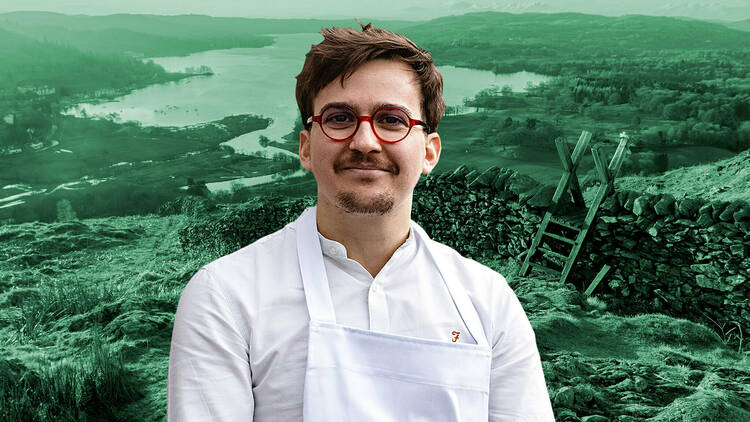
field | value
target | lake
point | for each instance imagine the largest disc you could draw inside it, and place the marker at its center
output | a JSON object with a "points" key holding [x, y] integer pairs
{"points": [[258, 81]]}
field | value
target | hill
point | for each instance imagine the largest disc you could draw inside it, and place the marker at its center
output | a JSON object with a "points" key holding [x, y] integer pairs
{"points": [[27, 61], [154, 35], [104, 292], [724, 180], [567, 42], [743, 25]]}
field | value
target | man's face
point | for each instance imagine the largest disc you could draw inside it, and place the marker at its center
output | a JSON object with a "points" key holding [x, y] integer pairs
{"points": [[362, 175]]}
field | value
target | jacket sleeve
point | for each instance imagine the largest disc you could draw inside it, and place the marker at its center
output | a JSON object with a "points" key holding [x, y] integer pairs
{"points": [[518, 391], [209, 376]]}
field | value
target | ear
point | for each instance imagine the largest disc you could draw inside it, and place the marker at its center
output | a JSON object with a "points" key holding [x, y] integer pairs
{"points": [[304, 149], [432, 152]]}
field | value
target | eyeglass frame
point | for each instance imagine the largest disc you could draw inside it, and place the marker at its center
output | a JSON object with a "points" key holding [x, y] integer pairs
{"points": [[360, 119]]}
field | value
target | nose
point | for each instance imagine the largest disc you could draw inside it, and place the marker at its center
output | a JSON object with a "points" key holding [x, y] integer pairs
{"points": [[364, 140]]}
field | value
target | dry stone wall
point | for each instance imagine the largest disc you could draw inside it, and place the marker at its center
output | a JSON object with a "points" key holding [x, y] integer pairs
{"points": [[684, 257]]}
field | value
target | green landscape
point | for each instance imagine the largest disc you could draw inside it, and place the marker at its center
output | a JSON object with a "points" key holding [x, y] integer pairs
{"points": [[96, 213]]}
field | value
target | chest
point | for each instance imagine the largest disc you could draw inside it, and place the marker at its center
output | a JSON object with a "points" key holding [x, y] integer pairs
{"points": [[407, 303]]}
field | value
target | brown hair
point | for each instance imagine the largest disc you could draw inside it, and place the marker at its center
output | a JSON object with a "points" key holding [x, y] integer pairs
{"points": [[343, 50]]}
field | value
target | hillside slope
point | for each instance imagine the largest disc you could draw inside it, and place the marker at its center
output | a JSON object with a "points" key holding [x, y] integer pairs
{"points": [[103, 292], [724, 180], [27, 61]]}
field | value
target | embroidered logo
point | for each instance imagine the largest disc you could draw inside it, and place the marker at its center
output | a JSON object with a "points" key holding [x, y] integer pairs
{"points": [[455, 336]]}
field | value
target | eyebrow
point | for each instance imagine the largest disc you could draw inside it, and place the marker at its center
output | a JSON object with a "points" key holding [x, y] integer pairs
{"points": [[374, 107]]}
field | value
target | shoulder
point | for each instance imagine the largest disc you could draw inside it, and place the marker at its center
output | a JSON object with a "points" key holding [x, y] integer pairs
{"points": [[469, 270], [264, 261], [256, 253], [496, 303]]}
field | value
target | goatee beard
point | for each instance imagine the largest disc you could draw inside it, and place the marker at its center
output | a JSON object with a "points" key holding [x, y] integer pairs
{"points": [[353, 204]]}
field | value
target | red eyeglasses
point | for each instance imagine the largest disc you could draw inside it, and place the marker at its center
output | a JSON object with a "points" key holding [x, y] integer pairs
{"points": [[389, 124]]}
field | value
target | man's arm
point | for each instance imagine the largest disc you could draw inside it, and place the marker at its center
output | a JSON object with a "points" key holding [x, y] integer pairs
{"points": [[209, 372], [517, 388]]}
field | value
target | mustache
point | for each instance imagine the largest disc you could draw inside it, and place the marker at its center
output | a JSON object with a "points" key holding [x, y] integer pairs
{"points": [[357, 158]]}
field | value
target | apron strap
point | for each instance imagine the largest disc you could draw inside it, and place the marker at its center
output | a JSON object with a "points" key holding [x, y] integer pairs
{"points": [[314, 278], [318, 293], [461, 299]]}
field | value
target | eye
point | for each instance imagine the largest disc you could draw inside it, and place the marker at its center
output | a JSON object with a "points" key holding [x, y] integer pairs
{"points": [[339, 118], [392, 118]]}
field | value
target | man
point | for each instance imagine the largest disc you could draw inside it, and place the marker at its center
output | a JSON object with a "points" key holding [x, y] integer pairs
{"points": [[351, 312]]}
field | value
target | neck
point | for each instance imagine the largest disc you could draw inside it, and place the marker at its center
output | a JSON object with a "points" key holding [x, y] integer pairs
{"points": [[370, 239]]}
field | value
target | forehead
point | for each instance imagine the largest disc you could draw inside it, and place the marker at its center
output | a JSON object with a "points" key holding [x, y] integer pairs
{"points": [[375, 82]]}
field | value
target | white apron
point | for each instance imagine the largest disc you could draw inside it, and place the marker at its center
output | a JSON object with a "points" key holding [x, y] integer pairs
{"points": [[361, 375]]}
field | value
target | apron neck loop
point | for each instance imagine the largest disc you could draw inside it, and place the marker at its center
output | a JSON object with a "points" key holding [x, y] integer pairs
{"points": [[318, 292], [451, 279], [314, 279]]}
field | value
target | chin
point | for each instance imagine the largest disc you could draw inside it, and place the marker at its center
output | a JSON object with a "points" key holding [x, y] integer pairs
{"points": [[356, 203]]}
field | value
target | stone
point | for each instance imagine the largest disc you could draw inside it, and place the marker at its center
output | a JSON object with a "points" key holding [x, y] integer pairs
{"points": [[607, 219], [706, 208], [742, 213], [470, 177], [624, 385], [595, 418], [687, 223], [524, 197], [543, 197], [707, 269], [641, 205], [501, 179], [705, 220], [566, 415], [519, 183], [717, 208], [665, 205], [629, 243], [714, 283], [643, 222], [622, 197], [640, 384], [688, 207], [734, 281], [565, 397], [628, 205], [728, 213], [487, 176], [737, 249], [584, 393], [458, 173], [610, 204]]}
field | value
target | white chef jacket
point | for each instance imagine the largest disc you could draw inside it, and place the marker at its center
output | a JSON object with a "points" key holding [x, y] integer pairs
{"points": [[239, 343]]}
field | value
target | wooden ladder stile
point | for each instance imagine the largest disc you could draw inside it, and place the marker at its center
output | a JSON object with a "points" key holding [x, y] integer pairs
{"points": [[574, 229]]}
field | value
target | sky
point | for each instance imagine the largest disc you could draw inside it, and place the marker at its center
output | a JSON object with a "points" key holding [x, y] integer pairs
{"points": [[728, 10]]}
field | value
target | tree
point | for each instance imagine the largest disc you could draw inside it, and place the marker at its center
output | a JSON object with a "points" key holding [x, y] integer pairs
{"points": [[636, 122], [595, 111], [506, 90], [614, 99], [65, 211]]}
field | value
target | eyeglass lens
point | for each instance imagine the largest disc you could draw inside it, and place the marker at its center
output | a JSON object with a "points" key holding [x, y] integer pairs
{"points": [[390, 124]]}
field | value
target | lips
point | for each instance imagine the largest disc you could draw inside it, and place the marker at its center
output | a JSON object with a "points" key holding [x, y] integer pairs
{"points": [[365, 164], [364, 168]]}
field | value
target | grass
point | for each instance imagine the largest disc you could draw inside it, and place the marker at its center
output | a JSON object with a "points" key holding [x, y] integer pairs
{"points": [[87, 387], [85, 334]]}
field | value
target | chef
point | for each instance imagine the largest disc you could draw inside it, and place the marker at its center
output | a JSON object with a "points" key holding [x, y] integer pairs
{"points": [[351, 312]]}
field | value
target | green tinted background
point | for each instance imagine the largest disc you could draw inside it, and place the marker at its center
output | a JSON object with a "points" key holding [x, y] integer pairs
{"points": [[123, 124]]}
